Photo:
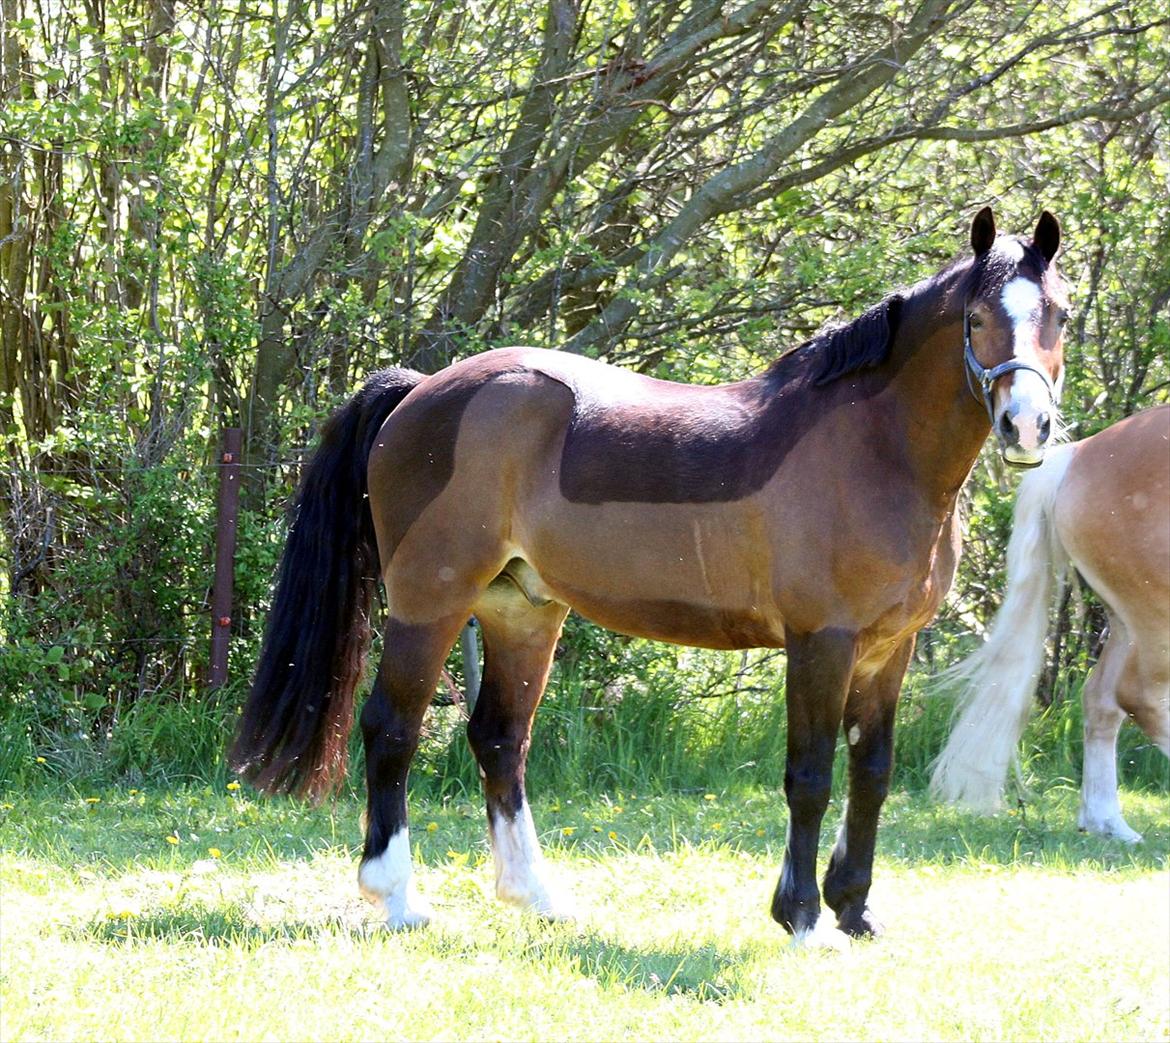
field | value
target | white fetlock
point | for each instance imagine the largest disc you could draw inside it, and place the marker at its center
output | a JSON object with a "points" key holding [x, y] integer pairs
{"points": [[387, 882], [822, 935], [521, 876]]}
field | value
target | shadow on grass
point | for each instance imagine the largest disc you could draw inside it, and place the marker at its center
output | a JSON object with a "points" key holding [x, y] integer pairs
{"points": [[684, 967], [201, 924], [697, 971]]}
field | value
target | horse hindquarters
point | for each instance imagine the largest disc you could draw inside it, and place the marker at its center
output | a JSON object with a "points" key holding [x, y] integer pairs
{"points": [[446, 476]]}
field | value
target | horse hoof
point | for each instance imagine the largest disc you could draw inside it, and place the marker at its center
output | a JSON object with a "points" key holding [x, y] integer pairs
{"points": [[404, 912], [411, 920], [545, 904], [1115, 830], [863, 925]]}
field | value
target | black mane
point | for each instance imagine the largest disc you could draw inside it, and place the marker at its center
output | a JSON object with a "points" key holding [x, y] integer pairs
{"points": [[832, 353]]}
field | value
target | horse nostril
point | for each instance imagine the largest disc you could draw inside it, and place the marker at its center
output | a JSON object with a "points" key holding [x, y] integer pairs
{"points": [[1007, 428], [1044, 427]]}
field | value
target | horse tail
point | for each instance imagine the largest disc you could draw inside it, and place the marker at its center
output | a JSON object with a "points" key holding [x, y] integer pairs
{"points": [[996, 684], [293, 735]]}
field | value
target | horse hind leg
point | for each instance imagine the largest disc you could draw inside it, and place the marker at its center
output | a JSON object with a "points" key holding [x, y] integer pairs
{"points": [[519, 635], [1104, 692], [391, 720], [1151, 693]]}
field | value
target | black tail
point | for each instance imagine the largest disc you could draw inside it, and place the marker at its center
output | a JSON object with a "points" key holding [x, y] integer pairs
{"points": [[293, 736]]}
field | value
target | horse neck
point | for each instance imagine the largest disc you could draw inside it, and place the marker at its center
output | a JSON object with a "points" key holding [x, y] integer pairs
{"points": [[945, 426]]}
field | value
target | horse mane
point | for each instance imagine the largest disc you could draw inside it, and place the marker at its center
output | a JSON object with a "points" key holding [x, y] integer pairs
{"points": [[839, 350]]}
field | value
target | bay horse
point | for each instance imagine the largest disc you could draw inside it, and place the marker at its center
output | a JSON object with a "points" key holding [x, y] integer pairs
{"points": [[1102, 504], [811, 507]]}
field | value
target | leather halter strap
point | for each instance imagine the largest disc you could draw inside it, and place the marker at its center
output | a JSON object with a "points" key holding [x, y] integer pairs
{"points": [[986, 377]]}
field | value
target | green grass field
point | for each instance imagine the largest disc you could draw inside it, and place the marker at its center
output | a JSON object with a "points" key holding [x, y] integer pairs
{"points": [[204, 913]]}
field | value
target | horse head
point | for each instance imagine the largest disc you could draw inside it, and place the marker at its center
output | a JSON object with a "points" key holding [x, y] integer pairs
{"points": [[1014, 315]]}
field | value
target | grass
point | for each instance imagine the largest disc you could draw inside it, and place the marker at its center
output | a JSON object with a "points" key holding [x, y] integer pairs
{"points": [[204, 913]]}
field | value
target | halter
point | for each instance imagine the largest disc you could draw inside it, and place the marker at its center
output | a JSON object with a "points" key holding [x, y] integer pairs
{"points": [[986, 378]]}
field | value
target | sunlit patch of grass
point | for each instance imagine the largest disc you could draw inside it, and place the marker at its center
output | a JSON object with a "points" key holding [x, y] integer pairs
{"points": [[1011, 927]]}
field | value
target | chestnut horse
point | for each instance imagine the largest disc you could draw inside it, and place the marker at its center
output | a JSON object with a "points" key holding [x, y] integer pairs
{"points": [[810, 507], [1103, 504]]}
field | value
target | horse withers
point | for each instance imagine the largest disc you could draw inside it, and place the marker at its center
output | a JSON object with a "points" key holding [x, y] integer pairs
{"points": [[1102, 504], [810, 507]]}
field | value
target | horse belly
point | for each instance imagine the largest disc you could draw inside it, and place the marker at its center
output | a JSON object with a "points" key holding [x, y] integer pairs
{"points": [[689, 574]]}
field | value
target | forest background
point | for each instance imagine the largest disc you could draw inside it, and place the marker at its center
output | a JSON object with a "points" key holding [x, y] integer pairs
{"points": [[229, 212]]}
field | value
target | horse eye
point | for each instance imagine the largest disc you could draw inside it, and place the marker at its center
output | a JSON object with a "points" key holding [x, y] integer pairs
{"points": [[1063, 318], [976, 323]]}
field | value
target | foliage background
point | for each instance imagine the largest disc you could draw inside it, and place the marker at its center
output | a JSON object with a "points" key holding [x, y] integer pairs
{"points": [[216, 214]]}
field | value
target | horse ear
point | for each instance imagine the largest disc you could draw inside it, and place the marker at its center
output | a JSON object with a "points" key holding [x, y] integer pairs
{"points": [[983, 231], [1046, 238]]}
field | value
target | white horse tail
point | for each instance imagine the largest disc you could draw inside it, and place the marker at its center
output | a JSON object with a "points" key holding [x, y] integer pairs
{"points": [[995, 685]]}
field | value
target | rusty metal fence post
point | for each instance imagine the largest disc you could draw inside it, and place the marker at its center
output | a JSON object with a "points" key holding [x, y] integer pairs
{"points": [[226, 513]]}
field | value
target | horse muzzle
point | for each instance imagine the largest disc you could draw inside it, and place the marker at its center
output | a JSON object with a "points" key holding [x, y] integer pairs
{"points": [[1024, 428]]}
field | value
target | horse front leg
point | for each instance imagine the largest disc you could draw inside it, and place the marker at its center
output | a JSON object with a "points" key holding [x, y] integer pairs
{"points": [[869, 732], [819, 667]]}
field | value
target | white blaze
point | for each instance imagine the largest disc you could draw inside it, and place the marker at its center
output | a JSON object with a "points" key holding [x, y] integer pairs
{"points": [[1028, 392]]}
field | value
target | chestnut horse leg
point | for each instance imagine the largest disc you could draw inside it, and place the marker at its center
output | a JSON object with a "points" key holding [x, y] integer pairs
{"points": [[391, 719], [1107, 689], [869, 732], [519, 639], [819, 668]]}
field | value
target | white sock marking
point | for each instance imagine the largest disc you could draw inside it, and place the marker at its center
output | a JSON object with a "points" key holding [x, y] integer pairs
{"points": [[387, 880], [822, 935], [520, 868]]}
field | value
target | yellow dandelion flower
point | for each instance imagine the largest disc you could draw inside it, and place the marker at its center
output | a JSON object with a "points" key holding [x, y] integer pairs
{"points": [[93, 800], [233, 785], [716, 825], [432, 827], [215, 852], [612, 835], [568, 831], [596, 829], [172, 839], [759, 832], [7, 807], [132, 792], [40, 760], [708, 796], [618, 809]]}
